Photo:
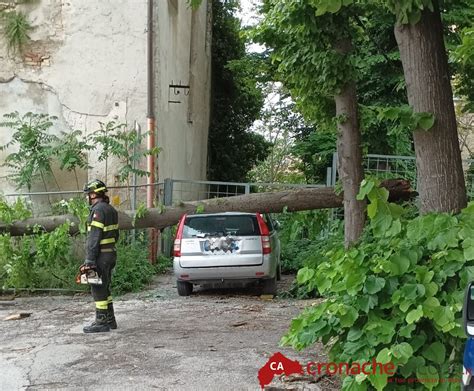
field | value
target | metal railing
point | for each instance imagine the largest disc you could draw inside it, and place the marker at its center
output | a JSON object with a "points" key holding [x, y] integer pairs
{"points": [[176, 190], [392, 166], [44, 203]]}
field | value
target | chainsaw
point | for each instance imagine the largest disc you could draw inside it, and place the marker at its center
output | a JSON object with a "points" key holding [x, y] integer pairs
{"points": [[88, 275]]}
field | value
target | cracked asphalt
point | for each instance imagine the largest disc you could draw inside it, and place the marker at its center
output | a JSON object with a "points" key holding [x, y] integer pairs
{"points": [[212, 340]]}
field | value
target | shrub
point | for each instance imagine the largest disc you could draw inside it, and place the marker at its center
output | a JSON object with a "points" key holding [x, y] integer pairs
{"points": [[133, 270], [41, 261], [301, 233], [46, 260], [396, 296]]}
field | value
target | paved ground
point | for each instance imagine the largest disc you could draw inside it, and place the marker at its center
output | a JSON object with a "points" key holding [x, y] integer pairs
{"points": [[213, 340]]}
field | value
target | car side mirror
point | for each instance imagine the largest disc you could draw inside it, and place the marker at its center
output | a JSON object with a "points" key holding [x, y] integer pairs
{"points": [[468, 310]]}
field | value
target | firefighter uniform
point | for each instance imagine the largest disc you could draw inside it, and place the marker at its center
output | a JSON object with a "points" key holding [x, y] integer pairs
{"points": [[102, 236]]}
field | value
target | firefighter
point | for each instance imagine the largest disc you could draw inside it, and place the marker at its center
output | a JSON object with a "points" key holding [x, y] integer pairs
{"points": [[101, 255]]}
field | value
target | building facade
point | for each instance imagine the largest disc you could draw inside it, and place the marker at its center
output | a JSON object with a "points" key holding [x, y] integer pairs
{"points": [[86, 62]]}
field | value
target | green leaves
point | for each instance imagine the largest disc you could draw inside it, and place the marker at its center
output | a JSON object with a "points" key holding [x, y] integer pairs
{"points": [[409, 11], [304, 275], [35, 148], [443, 316], [465, 51], [10, 213], [114, 140], [425, 121], [374, 284], [405, 118], [397, 298], [16, 30], [398, 264], [414, 315], [468, 249], [436, 352], [401, 353], [428, 376]]}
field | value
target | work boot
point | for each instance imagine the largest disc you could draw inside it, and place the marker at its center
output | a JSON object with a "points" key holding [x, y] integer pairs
{"points": [[100, 324], [111, 317]]}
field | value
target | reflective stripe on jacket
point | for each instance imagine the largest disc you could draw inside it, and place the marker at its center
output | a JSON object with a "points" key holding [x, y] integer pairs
{"points": [[102, 229]]}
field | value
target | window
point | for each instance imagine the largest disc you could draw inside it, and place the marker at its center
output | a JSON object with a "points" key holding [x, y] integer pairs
{"points": [[237, 225]]}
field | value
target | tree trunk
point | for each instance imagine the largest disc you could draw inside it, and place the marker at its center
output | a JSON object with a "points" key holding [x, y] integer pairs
{"points": [[438, 158], [349, 155], [293, 200]]}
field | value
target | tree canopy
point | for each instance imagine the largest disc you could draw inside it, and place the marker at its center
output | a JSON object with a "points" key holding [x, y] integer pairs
{"points": [[236, 100]]}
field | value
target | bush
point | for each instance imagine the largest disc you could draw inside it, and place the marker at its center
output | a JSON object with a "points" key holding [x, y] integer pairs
{"points": [[46, 260], [41, 261], [300, 234], [133, 270], [396, 296], [163, 264]]}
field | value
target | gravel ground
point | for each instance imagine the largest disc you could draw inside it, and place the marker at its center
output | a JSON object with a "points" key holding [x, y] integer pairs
{"points": [[212, 340]]}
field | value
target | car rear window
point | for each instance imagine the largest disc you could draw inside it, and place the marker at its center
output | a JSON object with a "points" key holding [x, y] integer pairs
{"points": [[243, 225]]}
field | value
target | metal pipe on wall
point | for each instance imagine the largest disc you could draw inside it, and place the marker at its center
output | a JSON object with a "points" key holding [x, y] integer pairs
{"points": [[151, 164]]}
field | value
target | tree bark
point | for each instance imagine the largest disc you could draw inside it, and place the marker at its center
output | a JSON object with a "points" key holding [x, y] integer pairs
{"points": [[293, 200], [349, 154], [438, 158]]}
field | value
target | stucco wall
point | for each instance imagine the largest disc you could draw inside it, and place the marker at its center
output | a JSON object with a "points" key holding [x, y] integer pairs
{"points": [[86, 62]]}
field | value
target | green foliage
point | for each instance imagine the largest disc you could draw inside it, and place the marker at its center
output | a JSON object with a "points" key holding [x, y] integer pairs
{"points": [[194, 4], [278, 123], [35, 147], [124, 145], [141, 212], [236, 100], [308, 254], [303, 52], [44, 260], [409, 11], [50, 260], [298, 232], [10, 213], [407, 118], [16, 29], [77, 206], [397, 295], [133, 270], [465, 51], [315, 151], [163, 264], [71, 152], [304, 56]]}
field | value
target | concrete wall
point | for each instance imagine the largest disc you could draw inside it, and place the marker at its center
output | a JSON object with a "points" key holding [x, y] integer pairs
{"points": [[86, 62]]}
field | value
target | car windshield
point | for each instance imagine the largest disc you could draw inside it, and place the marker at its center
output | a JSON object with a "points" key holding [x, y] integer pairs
{"points": [[204, 226]]}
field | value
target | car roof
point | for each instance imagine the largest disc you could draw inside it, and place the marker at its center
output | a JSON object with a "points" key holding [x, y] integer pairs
{"points": [[222, 214]]}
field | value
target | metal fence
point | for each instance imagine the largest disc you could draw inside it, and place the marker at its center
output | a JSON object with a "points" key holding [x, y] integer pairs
{"points": [[176, 190], [172, 191], [46, 203], [390, 166]]}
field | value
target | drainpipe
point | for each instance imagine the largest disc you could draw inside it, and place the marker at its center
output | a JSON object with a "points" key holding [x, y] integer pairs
{"points": [[150, 192], [134, 178]]}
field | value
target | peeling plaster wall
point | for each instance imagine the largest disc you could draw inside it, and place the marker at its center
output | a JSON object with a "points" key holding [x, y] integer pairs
{"points": [[87, 63]]}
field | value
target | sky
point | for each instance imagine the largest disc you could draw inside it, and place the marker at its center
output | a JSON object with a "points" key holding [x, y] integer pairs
{"points": [[247, 14], [249, 17]]}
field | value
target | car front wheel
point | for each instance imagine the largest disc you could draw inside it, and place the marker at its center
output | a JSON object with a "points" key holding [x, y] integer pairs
{"points": [[184, 288]]}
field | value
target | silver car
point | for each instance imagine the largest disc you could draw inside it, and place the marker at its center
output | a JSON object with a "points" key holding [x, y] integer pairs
{"points": [[224, 248]]}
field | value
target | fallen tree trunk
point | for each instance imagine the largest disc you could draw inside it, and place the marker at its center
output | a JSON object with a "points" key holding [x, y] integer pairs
{"points": [[292, 200]]}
